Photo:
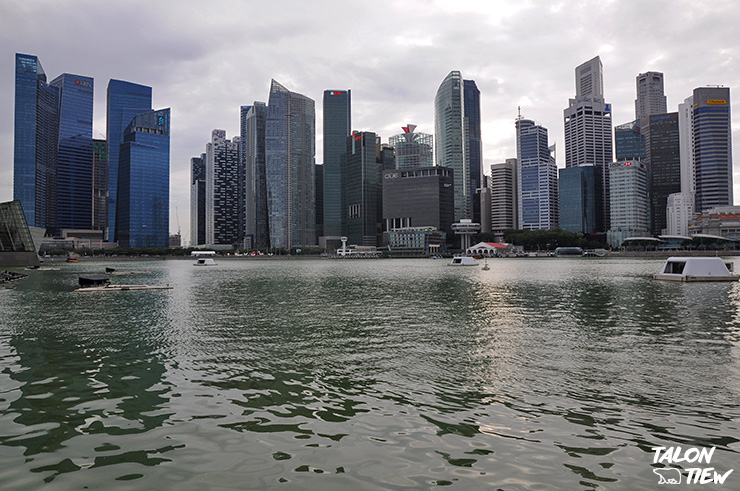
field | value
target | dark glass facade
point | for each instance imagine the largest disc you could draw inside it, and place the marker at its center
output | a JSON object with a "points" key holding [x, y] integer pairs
{"points": [[471, 100], [100, 184], [712, 147], [420, 197], [124, 101], [144, 181], [198, 200], [629, 141], [224, 188], [580, 199], [363, 192], [74, 174], [337, 127], [35, 142], [664, 166]]}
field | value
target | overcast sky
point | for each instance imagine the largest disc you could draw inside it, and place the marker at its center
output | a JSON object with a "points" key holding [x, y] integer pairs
{"points": [[206, 59]]}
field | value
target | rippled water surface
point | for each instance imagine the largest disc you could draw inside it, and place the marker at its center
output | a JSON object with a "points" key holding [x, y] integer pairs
{"points": [[376, 374]]}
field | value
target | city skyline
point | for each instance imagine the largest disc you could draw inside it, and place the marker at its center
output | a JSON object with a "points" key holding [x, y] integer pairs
{"points": [[205, 77]]}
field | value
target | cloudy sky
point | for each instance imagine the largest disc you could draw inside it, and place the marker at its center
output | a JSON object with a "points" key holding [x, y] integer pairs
{"points": [[206, 59]]}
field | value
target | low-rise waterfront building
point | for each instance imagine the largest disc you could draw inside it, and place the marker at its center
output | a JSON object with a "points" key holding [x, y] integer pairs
{"points": [[416, 241]]}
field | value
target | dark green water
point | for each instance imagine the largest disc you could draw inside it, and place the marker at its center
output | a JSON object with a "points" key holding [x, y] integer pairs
{"points": [[377, 374]]}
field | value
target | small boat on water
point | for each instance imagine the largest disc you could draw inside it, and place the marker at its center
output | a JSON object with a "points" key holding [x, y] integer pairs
{"points": [[463, 261], [103, 284], [115, 271], [697, 269], [205, 261]]}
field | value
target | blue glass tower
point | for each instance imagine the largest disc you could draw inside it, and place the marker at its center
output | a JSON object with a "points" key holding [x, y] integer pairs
{"points": [[35, 143], [74, 172], [629, 142], [253, 123], [580, 199], [125, 100], [537, 178], [144, 181]]}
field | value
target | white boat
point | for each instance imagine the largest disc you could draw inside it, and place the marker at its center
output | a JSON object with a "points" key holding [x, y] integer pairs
{"points": [[696, 269], [205, 261], [463, 261]]}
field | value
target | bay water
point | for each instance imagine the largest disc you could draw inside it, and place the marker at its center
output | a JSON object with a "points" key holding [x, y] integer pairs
{"points": [[542, 373]]}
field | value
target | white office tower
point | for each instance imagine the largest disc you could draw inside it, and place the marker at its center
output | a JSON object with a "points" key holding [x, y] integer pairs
{"points": [[588, 127], [629, 202], [679, 210]]}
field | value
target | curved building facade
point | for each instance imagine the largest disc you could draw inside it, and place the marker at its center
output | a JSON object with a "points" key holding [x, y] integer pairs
{"points": [[451, 140]]}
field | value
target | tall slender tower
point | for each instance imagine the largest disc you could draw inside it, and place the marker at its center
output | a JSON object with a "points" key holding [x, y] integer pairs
{"points": [[124, 101], [74, 173], [471, 99], [337, 127], [588, 127], [35, 144], [712, 129], [289, 149], [537, 178], [198, 200], [451, 130], [253, 144], [650, 96]]}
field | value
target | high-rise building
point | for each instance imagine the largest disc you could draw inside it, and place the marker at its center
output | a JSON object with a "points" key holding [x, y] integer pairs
{"points": [[664, 166], [537, 178], [412, 149], [124, 101], [253, 143], [629, 201], [337, 127], [364, 188], [144, 181], [580, 199], [712, 129], [471, 98], [74, 176], [289, 149], [319, 193], [504, 192], [224, 215], [650, 95], [679, 210], [451, 140], [588, 127], [198, 200], [35, 143], [686, 143], [418, 197], [629, 142], [100, 185]]}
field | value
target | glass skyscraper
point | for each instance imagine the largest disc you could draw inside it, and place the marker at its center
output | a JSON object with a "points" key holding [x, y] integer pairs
{"points": [[451, 140], [224, 211], [537, 178], [198, 200], [35, 143], [580, 199], [471, 97], [337, 127], [254, 122], [144, 181], [364, 189], [125, 100], [74, 173], [100, 184], [412, 149], [290, 139], [664, 166], [712, 129], [629, 142]]}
